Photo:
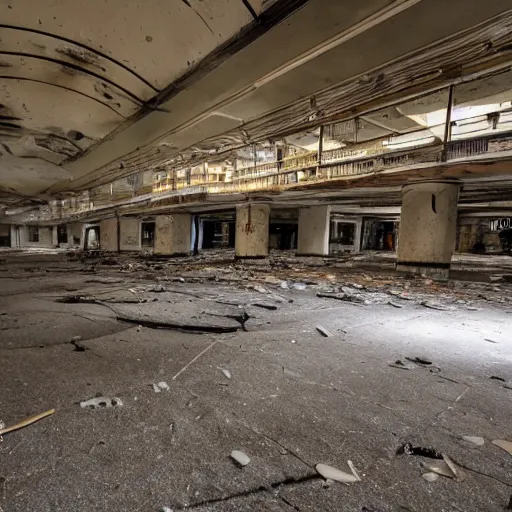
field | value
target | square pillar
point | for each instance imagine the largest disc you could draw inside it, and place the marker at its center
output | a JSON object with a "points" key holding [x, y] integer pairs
{"points": [[55, 236], [108, 235], [130, 233], [252, 225], [173, 234], [313, 238]]}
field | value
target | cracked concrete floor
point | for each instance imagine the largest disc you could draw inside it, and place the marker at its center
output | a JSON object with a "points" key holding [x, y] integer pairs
{"points": [[287, 405]]}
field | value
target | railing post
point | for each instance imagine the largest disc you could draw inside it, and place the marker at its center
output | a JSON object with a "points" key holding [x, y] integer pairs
{"points": [[448, 124]]}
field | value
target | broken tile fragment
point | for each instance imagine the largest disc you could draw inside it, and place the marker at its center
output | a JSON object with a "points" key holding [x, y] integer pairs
{"points": [[503, 444], [478, 441], [240, 458], [330, 473]]}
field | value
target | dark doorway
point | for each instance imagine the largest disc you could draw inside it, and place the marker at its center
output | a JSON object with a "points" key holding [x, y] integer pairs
{"points": [[148, 234], [217, 234], [92, 238], [379, 235], [62, 234], [5, 235], [283, 236]]}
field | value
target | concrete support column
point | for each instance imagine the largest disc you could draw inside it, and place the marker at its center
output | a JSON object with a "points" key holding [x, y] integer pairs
{"points": [[55, 236], [428, 227], [252, 224], [313, 238], [173, 234], [130, 233], [108, 235]]}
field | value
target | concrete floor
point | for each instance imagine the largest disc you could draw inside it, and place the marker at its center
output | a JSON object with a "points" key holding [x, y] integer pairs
{"points": [[287, 405]]}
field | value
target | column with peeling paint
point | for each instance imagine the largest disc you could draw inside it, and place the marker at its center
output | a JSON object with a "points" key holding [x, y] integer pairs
{"points": [[252, 225], [428, 227], [173, 234]]}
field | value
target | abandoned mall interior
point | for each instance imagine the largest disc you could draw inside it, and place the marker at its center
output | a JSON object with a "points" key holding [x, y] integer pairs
{"points": [[256, 256]]}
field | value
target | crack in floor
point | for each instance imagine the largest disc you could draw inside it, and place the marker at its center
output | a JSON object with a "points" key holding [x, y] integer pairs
{"points": [[288, 482]]}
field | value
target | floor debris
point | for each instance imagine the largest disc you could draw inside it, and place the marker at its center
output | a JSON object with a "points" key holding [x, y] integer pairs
{"points": [[101, 402], [240, 458], [160, 386], [410, 449], [330, 473], [419, 360], [26, 422], [432, 305], [324, 332], [402, 366], [226, 373], [75, 341], [503, 444], [264, 305], [430, 476], [478, 441]]}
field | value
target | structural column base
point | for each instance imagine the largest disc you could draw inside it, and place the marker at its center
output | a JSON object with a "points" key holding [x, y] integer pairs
{"points": [[435, 271]]}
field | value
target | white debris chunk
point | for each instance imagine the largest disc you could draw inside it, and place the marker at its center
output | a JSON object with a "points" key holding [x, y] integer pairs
{"points": [[478, 441], [101, 402], [330, 473], [160, 386], [240, 457], [503, 444], [430, 477], [226, 373]]}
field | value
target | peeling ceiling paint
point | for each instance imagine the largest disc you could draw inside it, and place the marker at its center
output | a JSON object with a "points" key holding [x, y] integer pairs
{"points": [[96, 90]]}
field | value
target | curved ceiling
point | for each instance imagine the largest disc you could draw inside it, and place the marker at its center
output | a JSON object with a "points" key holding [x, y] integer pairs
{"points": [[89, 87]]}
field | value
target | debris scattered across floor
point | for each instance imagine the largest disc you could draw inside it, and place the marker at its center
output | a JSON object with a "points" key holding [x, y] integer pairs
{"points": [[79, 347], [240, 458], [419, 360], [430, 476], [26, 422], [160, 386], [478, 441], [226, 373], [331, 473], [446, 467], [277, 310], [101, 402], [503, 444], [410, 449], [402, 366], [323, 331]]}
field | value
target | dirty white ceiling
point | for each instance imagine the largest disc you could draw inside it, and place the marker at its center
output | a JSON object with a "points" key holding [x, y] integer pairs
{"points": [[91, 91]]}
